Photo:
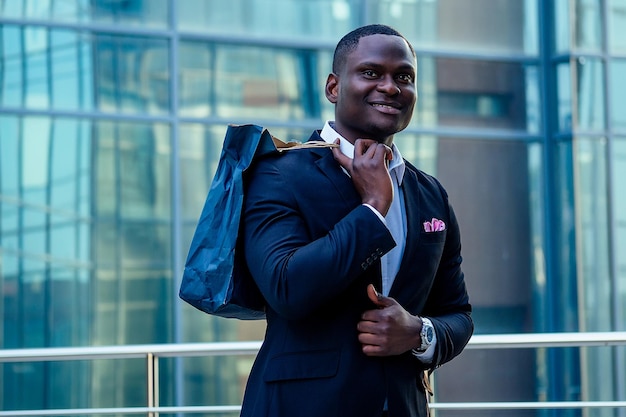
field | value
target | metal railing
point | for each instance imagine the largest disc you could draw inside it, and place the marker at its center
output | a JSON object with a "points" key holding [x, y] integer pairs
{"points": [[152, 354]]}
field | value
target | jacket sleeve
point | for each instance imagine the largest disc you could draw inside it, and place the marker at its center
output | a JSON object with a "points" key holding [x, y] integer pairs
{"points": [[295, 273]]}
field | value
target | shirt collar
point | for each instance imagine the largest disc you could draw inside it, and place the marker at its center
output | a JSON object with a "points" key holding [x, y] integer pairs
{"points": [[329, 135]]}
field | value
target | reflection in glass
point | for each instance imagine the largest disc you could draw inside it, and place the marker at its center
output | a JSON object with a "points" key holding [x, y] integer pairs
{"points": [[564, 96], [131, 74], [456, 25], [618, 164], [590, 94], [69, 70], [152, 13], [245, 82], [322, 20], [592, 208], [581, 25], [489, 186], [617, 20], [74, 274], [594, 264], [617, 95], [487, 94]]}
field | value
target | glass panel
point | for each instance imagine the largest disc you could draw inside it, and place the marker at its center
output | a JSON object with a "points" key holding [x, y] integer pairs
{"points": [[563, 285], [36, 68], [619, 212], [590, 91], [132, 232], [582, 25], [131, 74], [322, 20], [35, 154], [564, 96], [562, 26], [46, 290], [12, 64], [617, 94], [617, 20], [595, 283], [10, 132], [486, 94], [455, 25], [592, 230], [71, 70], [51, 245], [151, 13], [243, 82], [491, 182]]}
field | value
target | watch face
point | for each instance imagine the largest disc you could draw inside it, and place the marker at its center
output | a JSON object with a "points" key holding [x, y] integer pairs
{"points": [[429, 334]]}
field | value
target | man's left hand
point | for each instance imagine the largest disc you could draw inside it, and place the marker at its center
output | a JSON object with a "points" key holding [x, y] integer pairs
{"points": [[388, 329]]}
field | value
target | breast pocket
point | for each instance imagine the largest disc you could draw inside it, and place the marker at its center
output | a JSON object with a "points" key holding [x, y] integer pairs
{"points": [[432, 237]]}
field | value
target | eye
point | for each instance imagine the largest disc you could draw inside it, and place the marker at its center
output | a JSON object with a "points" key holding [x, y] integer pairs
{"points": [[370, 73], [405, 78]]}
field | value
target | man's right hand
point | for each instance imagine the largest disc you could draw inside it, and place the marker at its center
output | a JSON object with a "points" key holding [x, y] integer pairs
{"points": [[369, 172]]}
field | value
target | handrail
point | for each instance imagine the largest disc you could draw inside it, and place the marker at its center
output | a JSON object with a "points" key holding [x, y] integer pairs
{"points": [[152, 352]]}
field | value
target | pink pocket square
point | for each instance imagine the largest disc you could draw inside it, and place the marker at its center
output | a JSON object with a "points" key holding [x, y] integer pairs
{"points": [[435, 225]]}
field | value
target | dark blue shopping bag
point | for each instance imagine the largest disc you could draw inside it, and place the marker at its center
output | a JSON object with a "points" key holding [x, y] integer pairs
{"points": [[216, 279]]}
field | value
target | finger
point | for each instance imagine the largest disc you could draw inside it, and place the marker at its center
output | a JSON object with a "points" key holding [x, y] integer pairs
{"points": [[377, 298], [343, 160], [372, 350], [374, 295], [363, 146]]}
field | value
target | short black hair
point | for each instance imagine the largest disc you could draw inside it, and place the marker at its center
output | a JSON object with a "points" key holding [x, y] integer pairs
{"points": [[350, 41]]}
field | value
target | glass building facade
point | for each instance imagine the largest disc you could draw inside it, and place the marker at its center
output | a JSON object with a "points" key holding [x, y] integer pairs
{"points": [[112, 114]]}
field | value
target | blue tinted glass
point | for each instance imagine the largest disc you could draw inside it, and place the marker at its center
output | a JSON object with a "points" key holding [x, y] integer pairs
{"points": [[11, 61], [35, 158], [592, 209], [10, 156], [578, 25], [246, 82], [463, 25], [71, 70], [37, 68], [617, 19], [590, 97], [153, 13], [619, 211], [564, 99], [488, 94], [131, 74], [322, 20], [617, 94]]}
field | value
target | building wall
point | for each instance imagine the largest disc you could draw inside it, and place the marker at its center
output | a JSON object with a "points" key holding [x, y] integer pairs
{"points": [[112, 115]]}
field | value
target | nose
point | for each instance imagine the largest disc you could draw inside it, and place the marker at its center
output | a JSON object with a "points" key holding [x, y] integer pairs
{"points": [[388, 86]]}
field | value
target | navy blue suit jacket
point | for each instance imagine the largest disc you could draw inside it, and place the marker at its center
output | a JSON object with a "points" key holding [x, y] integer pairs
{"points": [[312, 248]]}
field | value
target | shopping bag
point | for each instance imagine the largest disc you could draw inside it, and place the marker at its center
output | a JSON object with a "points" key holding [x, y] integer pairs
{"points": [[216, 279]]}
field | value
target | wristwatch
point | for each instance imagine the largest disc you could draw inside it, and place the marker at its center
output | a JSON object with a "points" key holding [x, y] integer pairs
{"points": [[427, 334]]}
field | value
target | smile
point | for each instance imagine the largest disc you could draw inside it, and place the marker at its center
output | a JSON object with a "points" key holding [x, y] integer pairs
{"points": [[385, 108]]}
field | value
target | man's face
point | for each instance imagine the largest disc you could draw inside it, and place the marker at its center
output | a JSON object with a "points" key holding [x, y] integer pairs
{"points": [[374, 93]]}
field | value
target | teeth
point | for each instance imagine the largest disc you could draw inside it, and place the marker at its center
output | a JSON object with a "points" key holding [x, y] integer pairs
{"points": [[383, 105]]}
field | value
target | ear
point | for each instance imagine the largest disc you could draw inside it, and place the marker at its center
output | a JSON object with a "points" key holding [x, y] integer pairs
{"points": [[332, 87]]}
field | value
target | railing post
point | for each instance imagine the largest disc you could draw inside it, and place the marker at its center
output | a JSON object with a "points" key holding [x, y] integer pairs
{"points": [[153, 383]]}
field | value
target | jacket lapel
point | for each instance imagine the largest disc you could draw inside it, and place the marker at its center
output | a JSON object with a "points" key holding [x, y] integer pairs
{"points": [[333, 171]]}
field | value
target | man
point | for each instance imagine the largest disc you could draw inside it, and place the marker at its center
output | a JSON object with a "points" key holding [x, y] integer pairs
{"points": [[356, 252]]}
